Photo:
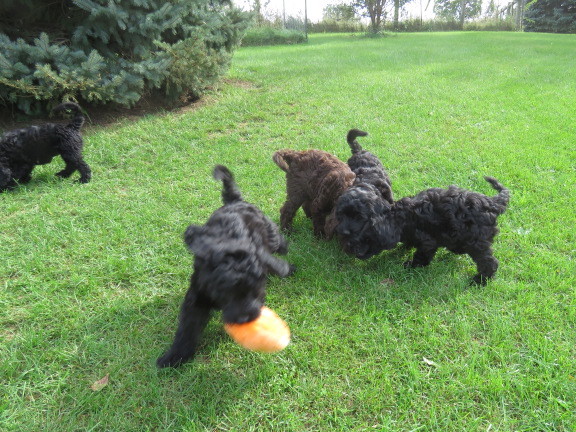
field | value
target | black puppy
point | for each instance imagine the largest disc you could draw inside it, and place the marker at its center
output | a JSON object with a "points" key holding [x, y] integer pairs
{"points": [[22, 149], [462, 221], [358, 206], [367, 167], [232, 259]]}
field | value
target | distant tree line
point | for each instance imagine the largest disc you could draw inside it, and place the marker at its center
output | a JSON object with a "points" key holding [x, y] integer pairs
{"points": [[558, 16]]}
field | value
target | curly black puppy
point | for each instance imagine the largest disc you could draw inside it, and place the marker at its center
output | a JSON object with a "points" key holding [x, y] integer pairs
{"points": [[367, 167], [22, 149], [462, 221], [357, 208], [232, 259]]}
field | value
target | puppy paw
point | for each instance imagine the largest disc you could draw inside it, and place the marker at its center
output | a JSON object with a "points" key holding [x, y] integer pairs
{"points": [[282, 248], [411, 264], [291, 270], [319, 234], [479, 280], [169, 359], [415, 262]]}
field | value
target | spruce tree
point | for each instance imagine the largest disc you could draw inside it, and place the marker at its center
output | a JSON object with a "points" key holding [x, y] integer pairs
{"points": [[552, 16], [113, 50]]}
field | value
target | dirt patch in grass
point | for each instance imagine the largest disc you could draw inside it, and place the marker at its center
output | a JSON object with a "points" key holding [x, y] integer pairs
{"points": [[109, 114]]}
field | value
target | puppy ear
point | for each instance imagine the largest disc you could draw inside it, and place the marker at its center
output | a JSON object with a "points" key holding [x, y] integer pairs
{"points": [[192, 238], [388, 232]]}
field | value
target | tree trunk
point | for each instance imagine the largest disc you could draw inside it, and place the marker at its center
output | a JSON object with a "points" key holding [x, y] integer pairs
{"points": [[462, 13], [258, 11], [375, 10], [519, 14], [396, 12]]}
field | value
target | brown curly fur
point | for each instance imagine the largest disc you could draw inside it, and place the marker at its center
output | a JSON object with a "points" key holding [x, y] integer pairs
{"points": [[314, 181]]}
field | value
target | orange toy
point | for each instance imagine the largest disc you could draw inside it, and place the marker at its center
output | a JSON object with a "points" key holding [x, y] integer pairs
{"points": [[268, 333]]}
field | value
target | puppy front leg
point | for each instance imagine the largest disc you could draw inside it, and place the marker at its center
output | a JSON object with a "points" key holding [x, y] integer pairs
{"points": [[23, 174], [318, 223], [194, 316], [277, 266], [85, 172], [5, 178], [287, 213]]}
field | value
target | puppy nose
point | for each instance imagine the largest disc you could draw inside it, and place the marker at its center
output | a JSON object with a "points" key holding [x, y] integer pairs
{"points": [[243, 319]]}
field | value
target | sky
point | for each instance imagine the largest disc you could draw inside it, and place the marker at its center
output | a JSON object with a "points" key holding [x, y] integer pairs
{"points": [[315, 8]]}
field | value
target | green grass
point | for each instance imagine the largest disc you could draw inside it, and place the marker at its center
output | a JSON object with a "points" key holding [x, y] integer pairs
{"points": [[92, 276]]}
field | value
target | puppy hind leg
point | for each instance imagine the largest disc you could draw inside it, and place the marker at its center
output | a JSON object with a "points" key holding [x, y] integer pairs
{"points": [[306, 208], [486, 265]]}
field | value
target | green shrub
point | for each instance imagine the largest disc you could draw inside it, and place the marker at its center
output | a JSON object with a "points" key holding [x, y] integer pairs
{"points": [[551, 16], [416, 25], [491, 25], [333, 26], [257, 36], [101, 51]]}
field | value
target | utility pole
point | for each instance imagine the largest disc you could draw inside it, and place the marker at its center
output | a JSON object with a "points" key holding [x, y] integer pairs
{"points": [[306, 19]]}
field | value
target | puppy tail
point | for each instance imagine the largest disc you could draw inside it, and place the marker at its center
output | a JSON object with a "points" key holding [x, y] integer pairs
{"points": [[78, 119], [230, 191], [503, 197], [279, 159], [351, 138]]}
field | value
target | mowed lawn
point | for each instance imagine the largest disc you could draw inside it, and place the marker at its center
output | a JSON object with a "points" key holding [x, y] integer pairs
{"points": [[92, 276]]}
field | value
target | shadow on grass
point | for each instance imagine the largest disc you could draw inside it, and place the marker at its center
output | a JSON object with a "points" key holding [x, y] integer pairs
{"points": [[124, 343], [324, 268]]}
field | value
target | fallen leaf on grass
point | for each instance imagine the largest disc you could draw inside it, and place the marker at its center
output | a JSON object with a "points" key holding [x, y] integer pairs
{"points": [[387, 282], [100, 384], [429, 362]]}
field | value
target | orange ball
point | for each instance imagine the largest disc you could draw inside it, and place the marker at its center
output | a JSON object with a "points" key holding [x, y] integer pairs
{"points": [[268, 333]]}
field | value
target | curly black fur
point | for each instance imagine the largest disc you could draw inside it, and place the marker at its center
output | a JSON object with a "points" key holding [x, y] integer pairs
{"points": [[357, 208], [462, 221], [367, 167], [22, 149], [232, 259]]}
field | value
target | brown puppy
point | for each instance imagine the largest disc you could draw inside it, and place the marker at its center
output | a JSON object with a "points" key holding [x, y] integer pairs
{"points": [[314, 181]]}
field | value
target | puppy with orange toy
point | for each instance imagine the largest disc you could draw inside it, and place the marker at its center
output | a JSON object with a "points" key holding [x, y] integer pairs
{"points": [[234, 255]]}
